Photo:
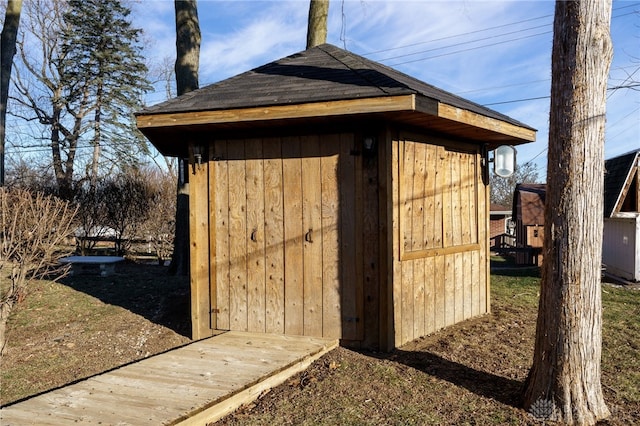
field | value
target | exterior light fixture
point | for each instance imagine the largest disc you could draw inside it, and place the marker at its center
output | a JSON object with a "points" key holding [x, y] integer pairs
{"points": [[504, 161], [369, 146], [198, 151]]}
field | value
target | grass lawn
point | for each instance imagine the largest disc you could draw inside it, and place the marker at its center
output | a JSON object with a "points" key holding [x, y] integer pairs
{"points": [[470, 373]]}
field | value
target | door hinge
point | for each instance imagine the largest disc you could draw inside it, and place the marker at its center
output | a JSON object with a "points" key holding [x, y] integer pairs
{"points": [[215, 311]]}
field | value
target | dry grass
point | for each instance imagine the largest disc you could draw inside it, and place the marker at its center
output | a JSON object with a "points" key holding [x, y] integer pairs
{"points": [[86, 324], [468, 374], [471, 373]]}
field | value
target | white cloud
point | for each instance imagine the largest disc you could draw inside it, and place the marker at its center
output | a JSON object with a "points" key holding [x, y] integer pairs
{"points": [[268, 34], [240, 35]]}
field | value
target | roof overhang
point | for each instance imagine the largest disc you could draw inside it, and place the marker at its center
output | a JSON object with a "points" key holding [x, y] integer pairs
{"points": [[171, 132]]}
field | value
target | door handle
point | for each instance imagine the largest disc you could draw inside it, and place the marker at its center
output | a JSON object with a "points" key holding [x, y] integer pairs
{"points": [[254, 234], [308, 237]]}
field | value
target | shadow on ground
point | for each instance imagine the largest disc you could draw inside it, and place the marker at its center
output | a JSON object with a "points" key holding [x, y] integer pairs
{"points": [[144, 289], [515, 271], [488, 385]]}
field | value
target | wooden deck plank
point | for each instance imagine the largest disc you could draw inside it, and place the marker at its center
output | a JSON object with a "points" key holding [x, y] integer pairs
{"points": [[189, 385], [130, 387]]}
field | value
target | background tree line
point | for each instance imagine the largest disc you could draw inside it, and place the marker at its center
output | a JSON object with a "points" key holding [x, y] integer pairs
{"points": [[79, 75]]}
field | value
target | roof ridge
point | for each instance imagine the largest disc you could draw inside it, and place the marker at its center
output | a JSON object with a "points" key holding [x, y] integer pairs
{"points": [[416, 85], [370, 65]]}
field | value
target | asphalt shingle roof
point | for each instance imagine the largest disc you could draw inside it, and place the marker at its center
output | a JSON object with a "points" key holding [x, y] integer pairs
{"points": [[322, 73], [617, 171]]}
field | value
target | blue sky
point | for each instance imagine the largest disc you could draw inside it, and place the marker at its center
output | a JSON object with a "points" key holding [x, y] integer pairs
{"points": [[495, 53]]}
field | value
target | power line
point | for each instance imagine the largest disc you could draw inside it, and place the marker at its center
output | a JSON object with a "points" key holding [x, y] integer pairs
{"points": [[614, 88], [471, 48], [466, 42], [633, 123], [513, 101], [478, 40], [536, 156], [526, 83], [456, 35]]}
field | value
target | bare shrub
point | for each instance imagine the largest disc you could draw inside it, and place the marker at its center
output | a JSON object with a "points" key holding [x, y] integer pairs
{"points": [[126, 200], [33, 227], [159, 226], [90, 217]]}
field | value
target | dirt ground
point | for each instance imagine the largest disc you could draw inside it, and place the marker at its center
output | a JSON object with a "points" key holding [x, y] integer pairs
{"points": [[470, 373], [87, 324]]}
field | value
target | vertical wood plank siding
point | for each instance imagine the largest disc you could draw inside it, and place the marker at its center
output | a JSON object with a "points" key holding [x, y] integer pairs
{"points": [[237, 230], [293, 236], [255, 241], [221, 209], [440, 269], [199, 259], [304, 235], [274, 237], [296, 238], [330, 218]]}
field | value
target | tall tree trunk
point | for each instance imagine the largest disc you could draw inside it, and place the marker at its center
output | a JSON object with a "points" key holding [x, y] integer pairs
{"points": [[564, 381], [97, 138], [317, 24], [187, 64], [7, 51]]}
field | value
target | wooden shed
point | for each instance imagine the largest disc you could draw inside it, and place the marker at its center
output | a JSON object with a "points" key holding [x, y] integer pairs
{"points": [[528, 214], [621, 238], [333, 196]]}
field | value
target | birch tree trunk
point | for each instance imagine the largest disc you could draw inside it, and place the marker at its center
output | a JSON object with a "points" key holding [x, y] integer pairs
{"points": [[317, 23], [564, 381]]}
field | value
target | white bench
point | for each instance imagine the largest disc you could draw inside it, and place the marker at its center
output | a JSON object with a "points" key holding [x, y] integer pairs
{"points": [[107, 264]]}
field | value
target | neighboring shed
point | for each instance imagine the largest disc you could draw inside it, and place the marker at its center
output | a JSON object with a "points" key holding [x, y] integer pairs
{"points": [[528, 213], [333, 196], [621, 239], [501, 228]]}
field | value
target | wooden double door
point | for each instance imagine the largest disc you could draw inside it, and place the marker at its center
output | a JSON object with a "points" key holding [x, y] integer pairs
{"points": [[287, 242]]}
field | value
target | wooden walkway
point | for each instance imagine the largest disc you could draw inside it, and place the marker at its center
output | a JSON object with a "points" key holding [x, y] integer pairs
{"points": [[193, 385]]}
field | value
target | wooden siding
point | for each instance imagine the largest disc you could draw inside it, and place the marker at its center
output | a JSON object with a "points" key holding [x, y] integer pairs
{"points": [[439, 230], [200, 251], [295, 231], [307, 236]]}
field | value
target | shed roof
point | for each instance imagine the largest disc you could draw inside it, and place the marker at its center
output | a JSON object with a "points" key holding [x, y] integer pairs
{"points": [[327, 81], [618, 179]]}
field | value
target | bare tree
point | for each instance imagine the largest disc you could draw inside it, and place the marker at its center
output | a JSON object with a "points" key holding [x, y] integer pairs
{"points": [[317, 23], [502, 188], [564, 381], [187, 64], [43, 92], [80, 76], [7, 52], [32, 227]]}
